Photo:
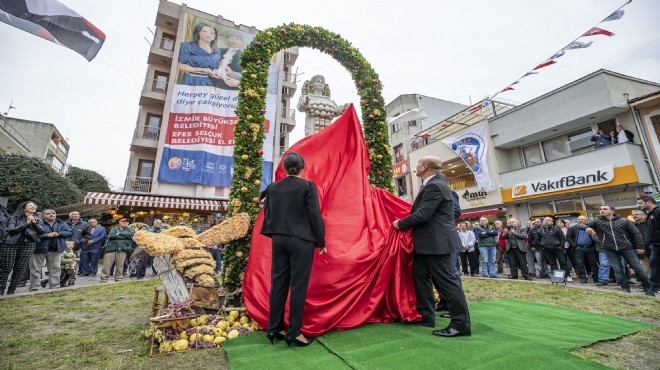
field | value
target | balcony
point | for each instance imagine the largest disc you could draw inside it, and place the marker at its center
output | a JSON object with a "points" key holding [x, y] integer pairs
{"points": [[154, 92], [137, 184], [617, 155], [462, 181], [10, 138], [162, 51], [145, 137], [288, 116]]}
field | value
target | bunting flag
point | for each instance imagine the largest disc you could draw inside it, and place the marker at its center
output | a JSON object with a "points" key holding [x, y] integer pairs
{"points": [[529, 74], [598, 31], [55, 22], [507, 89], [578, 45], [545, 64], [483, 104], [558, 54], [614, 16]]}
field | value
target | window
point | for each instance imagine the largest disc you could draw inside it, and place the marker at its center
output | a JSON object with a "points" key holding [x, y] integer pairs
{"points": [[540, 209], [57, 164], [532, 155], [580, 141], [396, 127], [152, 127], [556, 148], [398, 153], [412, 123], [63, 148], [160, 81], [145, 168], [568, 205], [401, 187], [167, 41], [592, 203]]}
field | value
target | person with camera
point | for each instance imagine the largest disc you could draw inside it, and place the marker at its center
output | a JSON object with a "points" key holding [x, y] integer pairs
{"points": [[516, 248]]}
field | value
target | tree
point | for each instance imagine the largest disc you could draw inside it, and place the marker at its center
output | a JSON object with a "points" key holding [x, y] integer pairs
{"points": [[28, 178], [87, 180]]}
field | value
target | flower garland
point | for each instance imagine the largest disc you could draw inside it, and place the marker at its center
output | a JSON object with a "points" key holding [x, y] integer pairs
{"points": [[249, 133]]}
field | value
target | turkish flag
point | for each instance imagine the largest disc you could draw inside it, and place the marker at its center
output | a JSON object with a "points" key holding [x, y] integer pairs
{"points": [[544, 64], [366, 275], [598, 31]]}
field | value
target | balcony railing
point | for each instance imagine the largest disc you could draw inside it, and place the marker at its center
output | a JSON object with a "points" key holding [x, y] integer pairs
{"points": [[462, 181], [156, 85], [288, 114], [138, 184], [13, 133], [147, 132]]}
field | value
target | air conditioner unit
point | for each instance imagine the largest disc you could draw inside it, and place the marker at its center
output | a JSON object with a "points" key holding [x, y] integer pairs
{"points": [[285, 90], [287, 55]]}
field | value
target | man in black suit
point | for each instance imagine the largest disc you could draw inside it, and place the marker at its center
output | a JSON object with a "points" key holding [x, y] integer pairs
{"points": [[435, 239], [231, 61]]}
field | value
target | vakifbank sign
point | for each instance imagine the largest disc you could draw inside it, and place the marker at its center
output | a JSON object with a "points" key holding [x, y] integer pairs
{"points": [[576, 180]]}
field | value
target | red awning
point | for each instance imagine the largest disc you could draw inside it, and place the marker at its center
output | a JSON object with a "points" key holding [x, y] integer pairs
{"points": [[152, 201], [480, 213]]}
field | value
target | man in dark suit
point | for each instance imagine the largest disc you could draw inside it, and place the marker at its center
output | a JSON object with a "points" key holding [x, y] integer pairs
{"points": [[231, 60], [435, 239]]}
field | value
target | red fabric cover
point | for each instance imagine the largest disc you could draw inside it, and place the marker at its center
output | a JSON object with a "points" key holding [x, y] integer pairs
{"points": [[366, 276]]}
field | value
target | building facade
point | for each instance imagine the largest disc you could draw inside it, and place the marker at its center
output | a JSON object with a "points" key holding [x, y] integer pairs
{"points": [[151, 129], [37, 139], [549, 165], [404, 134]]}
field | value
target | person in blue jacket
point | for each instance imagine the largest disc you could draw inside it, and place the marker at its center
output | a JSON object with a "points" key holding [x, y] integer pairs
{"points": [[89, 255]]}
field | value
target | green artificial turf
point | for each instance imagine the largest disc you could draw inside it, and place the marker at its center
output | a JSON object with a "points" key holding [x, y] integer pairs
{"points": [[508, 334]]}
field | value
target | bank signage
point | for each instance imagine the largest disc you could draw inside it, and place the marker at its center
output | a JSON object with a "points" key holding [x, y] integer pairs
{"points": [[400, 169], [575, 180]]}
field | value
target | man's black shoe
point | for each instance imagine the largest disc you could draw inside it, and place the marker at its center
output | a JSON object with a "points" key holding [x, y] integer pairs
{"points": [[428, 324], [583, 281], [601, 283], [512, 277], [545, 276], [528, 278], [441, 307], [626, 290], [451, 331], [446, 315]]}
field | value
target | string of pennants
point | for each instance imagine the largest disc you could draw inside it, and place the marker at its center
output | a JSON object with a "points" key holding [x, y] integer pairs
{"points": [[573, 45]]}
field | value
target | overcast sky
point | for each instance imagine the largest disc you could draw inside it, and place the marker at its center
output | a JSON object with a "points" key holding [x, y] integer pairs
{"points": [[447, 49]]}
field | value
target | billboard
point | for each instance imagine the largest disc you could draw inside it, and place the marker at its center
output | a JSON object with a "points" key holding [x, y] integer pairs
{"points": [[199, 142]]}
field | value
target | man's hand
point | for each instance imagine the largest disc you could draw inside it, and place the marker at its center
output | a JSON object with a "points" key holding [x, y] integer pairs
{"points": [[322, 250], [52, 235], [640, 251], [396, 224], [467, 248], [90, 242], [590, 231]]}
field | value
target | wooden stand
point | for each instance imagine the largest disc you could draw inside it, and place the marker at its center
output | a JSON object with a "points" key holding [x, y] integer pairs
{"points": [[175, 286], [156, 305]]}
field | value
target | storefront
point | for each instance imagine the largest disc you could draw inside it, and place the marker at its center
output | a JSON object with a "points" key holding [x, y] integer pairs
{"points": [[200, 214], [569, 195], [401, 179]]}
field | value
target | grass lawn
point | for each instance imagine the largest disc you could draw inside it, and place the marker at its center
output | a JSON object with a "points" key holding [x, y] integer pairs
{"points": [[100, 327]]}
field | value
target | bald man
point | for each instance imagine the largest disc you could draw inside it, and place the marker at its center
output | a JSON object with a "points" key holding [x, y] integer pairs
{"points": [[435, 241]]}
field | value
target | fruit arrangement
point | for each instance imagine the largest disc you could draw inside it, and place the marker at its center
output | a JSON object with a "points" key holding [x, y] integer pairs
{"points": [[205, 331]]}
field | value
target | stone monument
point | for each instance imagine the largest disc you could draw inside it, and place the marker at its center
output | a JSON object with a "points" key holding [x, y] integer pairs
{"points": [[316, 103]]}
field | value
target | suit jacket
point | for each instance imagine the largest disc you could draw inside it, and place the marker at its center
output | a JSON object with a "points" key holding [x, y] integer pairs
{"points": [[235, 66], [432, 220], [515, 237], [292, 208]]}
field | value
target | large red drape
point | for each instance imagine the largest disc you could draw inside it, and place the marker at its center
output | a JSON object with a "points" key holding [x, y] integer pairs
{"points": [[366, 276]]}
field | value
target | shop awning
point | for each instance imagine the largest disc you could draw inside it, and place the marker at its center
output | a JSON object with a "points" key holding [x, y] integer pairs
{"points": [[480, 213], [152, 201]]}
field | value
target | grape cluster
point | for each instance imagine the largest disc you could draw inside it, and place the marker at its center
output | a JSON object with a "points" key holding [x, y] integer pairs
{"points": [[177, 311]]}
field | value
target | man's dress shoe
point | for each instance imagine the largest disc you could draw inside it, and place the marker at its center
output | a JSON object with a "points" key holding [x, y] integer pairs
{"points": [[451, 331]]}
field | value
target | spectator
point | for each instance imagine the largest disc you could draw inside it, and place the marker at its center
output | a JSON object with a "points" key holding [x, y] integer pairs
{"points": [[156, 228], [584, 250], [648, 204], [49, 249], [619, 239], [534, 251], [468, 254], [89, 255], [119, 245], [23, 230], [568, 252], [516, 248], [601, 139], [69, 262], [486, 235], [640, 224], [81, 234], [613, 135], [501, 247], [551, 240], [623, 136]]}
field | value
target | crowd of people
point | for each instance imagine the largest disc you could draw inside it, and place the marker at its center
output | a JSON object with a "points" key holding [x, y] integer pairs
{"points": [[31, 240], [608, 249]]}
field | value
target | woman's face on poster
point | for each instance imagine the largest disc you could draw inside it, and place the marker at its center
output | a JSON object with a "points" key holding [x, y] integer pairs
{"points": [[207, 34]]}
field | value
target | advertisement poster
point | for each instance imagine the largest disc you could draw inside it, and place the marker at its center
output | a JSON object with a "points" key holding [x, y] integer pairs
{"points": [[199, 143]]}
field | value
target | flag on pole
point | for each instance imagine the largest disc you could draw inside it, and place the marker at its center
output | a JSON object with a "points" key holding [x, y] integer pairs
{"points": [[55, 22], [578, 45], [471, 145], [545, 64], [615, 16], [598, 31]]}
